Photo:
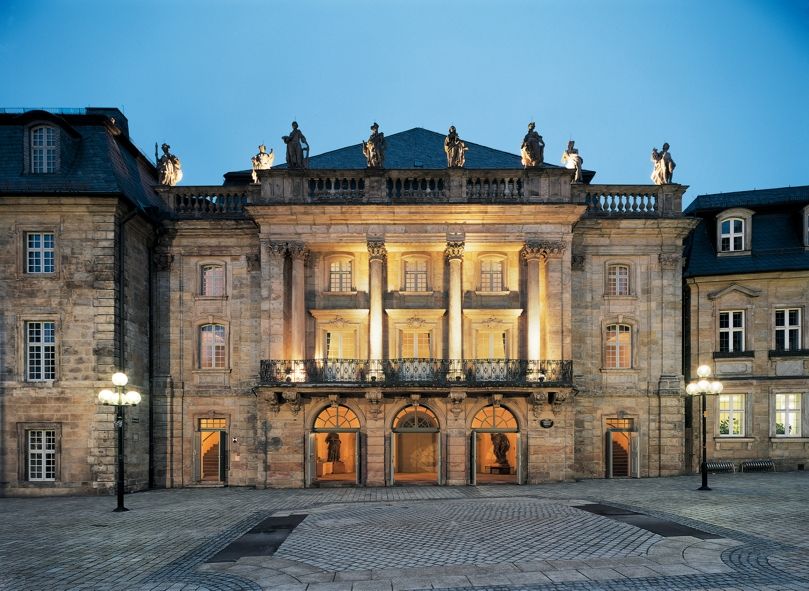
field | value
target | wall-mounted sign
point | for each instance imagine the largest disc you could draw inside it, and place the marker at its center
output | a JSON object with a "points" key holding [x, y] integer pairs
{"points": [[546, 423]]}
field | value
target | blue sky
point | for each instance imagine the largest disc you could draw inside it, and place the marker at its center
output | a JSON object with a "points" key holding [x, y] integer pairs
{"points": [[725, 82]]}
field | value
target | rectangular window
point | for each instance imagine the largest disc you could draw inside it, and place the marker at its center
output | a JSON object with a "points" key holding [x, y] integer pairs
{"points": [[213, 424], [213, 280], [340, 275], [41, 454], [416, 345], [43, 150], [491, 275], [212, 346], [731, 331], [40, 351], [788, 415], [731, 415], [416, 275], [788, 329], [491, 345], [618, 349], [618, 280], [732, 235], [39, 252], [341, 345]]}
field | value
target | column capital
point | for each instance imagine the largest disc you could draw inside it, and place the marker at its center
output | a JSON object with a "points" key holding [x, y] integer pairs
{"points": [[454, 250], [377, 250], [669, 260], [542, 249], [297, 250], [273, 247]]}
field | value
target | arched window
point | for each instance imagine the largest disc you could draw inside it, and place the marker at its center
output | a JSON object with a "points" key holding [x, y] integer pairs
{"points": [[415, 274], [340, 279], [43, 149], [416, 418], [492, 271], [337, 417], [731, 236], [212, 281], [618, 346], [212, 346], [618, 280], [494, 417]]}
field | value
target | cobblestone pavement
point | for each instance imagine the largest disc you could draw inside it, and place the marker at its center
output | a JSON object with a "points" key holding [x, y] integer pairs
{"points": [[493, 538]]}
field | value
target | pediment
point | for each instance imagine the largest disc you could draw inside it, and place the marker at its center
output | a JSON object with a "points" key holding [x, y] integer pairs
{"points": [[747, 291]]}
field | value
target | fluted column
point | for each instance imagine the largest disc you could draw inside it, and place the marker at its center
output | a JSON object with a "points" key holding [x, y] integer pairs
{"points": [[454, 254], [376, 259], [533, 255], [297, 349]]}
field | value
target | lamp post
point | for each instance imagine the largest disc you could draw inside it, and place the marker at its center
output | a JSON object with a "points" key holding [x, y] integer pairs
{"points": [[704, 386], [119, 399]]}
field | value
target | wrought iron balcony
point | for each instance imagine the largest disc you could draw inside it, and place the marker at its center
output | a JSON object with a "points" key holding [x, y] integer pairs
{"points": [[419, 372]]}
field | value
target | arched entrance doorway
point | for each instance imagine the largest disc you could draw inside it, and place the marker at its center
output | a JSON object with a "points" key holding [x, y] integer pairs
{"points": [[495, 447], [334, 447], [416, 447]]}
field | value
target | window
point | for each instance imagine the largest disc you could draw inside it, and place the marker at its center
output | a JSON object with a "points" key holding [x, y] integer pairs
{"points": [[618, 280], [731, 236], [731, 331], [40, 351], [491, 345], [213, 281], [416, 345], [415, 275], [491, 275], [618, 350], [39, 252], [337, 417], [731, 414], [341, 345], [41, 456], [787, 329], [43, 149], [788, 415], [212, 346], [340, 275]]}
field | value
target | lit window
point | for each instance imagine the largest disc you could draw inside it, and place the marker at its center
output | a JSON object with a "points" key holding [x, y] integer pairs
{"points": [[494, 417], [731, 414], [340, 275], [40, 351], [788, 415], [618, 350], [491, 345], [39, 252], [213, 424], [416, 345], [212, 346], [415, 271], [731, 331], [43, 150], [788, 329], [337, 417], [213, 280], [41, 461], [731, 235], [618, 280], [341, 345], [491, 275]]}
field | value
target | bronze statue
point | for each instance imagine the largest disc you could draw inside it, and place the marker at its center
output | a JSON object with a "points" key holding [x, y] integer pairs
{"points": [[297, 148], [169, 169], [572, 160], [262, 161], [374, 148], [455, 149], [533, 148], [501, 445], [333, 442]]}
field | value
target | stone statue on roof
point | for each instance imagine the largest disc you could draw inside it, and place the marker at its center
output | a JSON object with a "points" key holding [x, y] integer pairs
{"points": [[663, 166], [262, 161], [169, 169], [455, 149], [533, 148], [374, 148], [297, 148], [572, 160]]}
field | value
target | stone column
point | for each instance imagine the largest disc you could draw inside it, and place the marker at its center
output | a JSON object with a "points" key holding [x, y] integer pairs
{"points": [[554, 305], [454, 254], [297, 349], [272, 299], [532, 253], [376, 258]]}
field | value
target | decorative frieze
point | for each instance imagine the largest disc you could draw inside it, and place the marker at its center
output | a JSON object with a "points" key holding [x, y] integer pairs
{"points": [[377, 250], [542, 249], [454, 250]]}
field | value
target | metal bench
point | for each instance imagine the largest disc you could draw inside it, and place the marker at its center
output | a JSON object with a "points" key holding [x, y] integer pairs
{"points": [[721, 466], [757, 466]]}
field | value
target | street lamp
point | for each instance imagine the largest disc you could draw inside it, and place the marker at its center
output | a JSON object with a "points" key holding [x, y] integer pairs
{"points": [[704, 386], [119, 399]]}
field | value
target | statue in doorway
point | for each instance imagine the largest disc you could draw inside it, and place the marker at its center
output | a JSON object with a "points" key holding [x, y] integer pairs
{"points": [[501, 446], [333, 443]]}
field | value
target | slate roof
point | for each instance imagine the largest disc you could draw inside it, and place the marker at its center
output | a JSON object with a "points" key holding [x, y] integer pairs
{"points": [[777, 232], [97, 157]]}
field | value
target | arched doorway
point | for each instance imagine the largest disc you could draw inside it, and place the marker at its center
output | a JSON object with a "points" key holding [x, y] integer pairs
{"points": [[416, 447], [495, 447], [334, 447]]}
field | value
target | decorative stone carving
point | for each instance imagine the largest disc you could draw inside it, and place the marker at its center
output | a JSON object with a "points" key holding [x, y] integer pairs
{"points": [[542, 249], [663, 166], [297, 148], [262, 161], [297, 250], [273, 402], [374, 148], [339, 322], [669, 260], [415, 322], [454, 250], [414, 400], [253, 262], [537, 400], [275, 249], [162, 261], [377, 250], [455, 149], [577, 262], [456, 397], [496, 400], [374, 398], [572, 160], [293, 399], [169, 169], [334, 400], [532, 148]]}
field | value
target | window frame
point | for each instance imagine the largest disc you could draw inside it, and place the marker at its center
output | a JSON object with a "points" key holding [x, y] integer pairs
{"points": [[42, 252], [786, 408], [787, 328], [484, 258], [608, 292], [745, 216], [340, 258], [201, 283], [732, 411], [618, 348], [50, 152], [730, 330], [42, 347], [412, 258], [23, 455], [224, 345]]}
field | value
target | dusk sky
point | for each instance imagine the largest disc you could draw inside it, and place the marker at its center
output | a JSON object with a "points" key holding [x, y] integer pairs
{"points": [[726, 83]]}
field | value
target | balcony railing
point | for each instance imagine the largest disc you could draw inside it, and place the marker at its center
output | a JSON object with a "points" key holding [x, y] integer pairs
{"points": [[632, 200], [206, 202], [418, 372]]}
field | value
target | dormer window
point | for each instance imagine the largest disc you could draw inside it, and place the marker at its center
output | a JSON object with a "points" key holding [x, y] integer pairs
{"points": [[805, 218], [44, 149], [732, 236], [733, 232]]}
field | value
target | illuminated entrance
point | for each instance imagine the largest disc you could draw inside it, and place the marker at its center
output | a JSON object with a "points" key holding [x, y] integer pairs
{"points": [[334, 447], [495, 447], [211, 451], [416, 447], [622, 449]]}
